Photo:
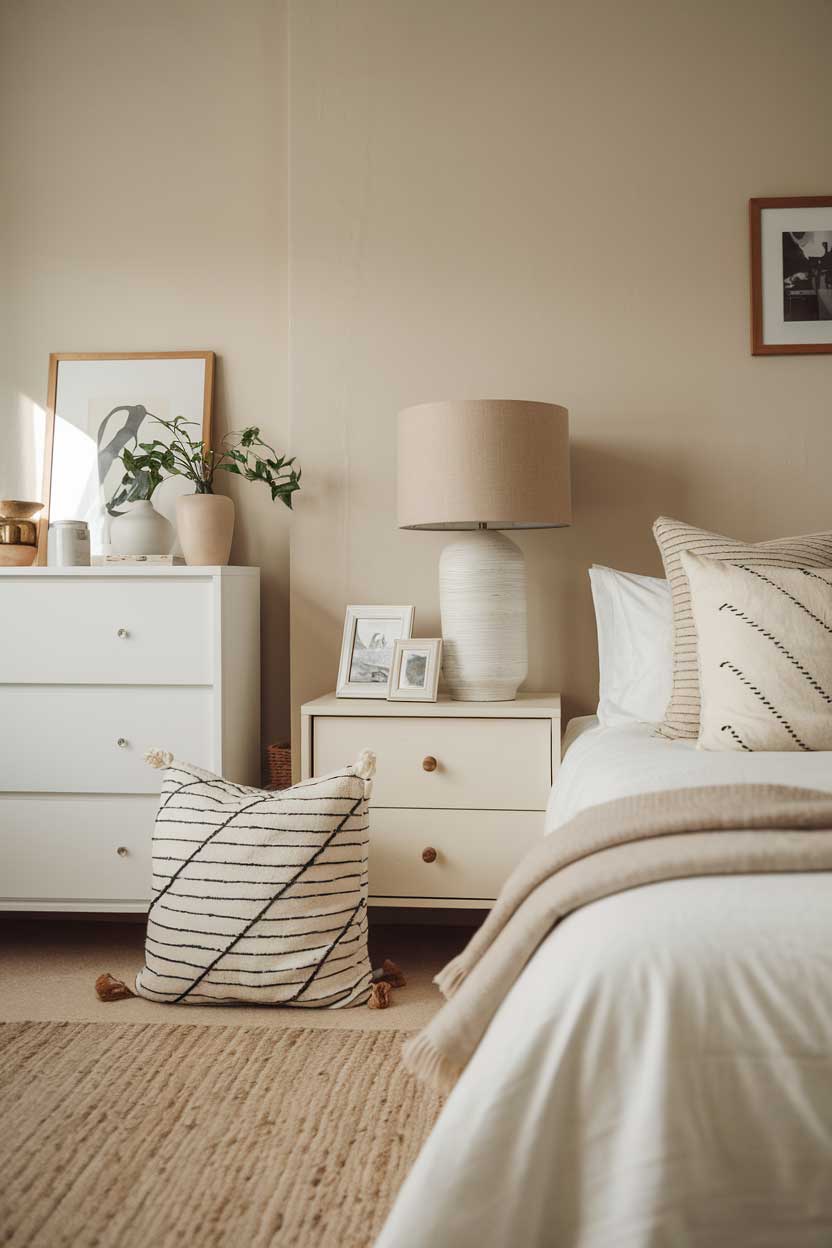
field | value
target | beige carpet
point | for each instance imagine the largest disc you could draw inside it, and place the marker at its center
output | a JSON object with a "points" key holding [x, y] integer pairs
{"points": [[118, 1135], [48, 968]]}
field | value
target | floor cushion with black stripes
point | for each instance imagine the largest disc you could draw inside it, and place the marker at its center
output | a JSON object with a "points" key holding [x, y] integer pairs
{"points": [[259, 896]]}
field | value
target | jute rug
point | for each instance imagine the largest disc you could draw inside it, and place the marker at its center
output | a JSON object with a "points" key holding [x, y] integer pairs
{"points": [[124, 1135]]}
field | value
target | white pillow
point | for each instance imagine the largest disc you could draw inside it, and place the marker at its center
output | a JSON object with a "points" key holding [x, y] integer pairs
{"points": [[259, 896], [634, 618], [812, 550], [764, 636]]}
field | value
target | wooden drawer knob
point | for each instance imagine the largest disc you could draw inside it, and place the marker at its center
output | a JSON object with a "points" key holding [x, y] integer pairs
{"points": [[429, 854], [122, 851], [429, 763]]}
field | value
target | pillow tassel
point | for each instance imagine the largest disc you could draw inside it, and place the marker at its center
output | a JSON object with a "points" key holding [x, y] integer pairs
{"points": [[385, 978], [365, 765], [108, 988], [380, 995], [158, 758], [365, 768]]}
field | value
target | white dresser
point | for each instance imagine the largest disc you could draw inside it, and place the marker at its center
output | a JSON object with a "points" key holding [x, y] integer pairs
{"points": [[460, 790], [96, 667]]}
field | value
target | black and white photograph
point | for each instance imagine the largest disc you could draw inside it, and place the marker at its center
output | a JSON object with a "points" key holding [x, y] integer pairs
{"points": [[372, 651], [791, 276], [414, 669], [367, 648], [414, 672], [807, 275]]}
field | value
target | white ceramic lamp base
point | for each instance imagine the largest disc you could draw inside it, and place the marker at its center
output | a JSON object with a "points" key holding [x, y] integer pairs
{"points": [[482, 597]]}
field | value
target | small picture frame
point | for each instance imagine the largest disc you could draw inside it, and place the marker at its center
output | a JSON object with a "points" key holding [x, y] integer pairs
{"points": [[367, 647], [414, 672]]}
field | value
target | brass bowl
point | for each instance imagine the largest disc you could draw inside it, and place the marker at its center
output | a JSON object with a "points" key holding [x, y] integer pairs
{"points": [[13, 509], [17, 556], [18, 532]]}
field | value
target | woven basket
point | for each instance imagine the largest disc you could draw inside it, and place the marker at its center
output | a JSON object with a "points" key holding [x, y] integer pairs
{"points": [[279, 765]]}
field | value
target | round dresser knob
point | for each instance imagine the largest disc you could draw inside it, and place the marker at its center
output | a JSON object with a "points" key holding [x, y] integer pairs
{"points": [[122, 743], [429, 763], [122, 633], [122, 851], [429, 854]]}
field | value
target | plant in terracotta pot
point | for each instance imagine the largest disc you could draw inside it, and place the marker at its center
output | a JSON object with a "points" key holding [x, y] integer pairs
{"points": [[137, 528], [205, 520]]}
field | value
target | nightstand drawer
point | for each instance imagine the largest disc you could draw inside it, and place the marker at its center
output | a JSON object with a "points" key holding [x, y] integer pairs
{"points": [[475, 851], [481, 764]]}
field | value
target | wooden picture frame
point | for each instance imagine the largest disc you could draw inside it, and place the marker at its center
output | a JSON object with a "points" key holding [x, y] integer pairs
{"points": [[374, 630], [424, 687], [773, 334], [56, 359]]}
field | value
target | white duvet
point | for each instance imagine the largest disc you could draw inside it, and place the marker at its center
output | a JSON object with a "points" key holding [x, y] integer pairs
{"points": [[660, 1076]]}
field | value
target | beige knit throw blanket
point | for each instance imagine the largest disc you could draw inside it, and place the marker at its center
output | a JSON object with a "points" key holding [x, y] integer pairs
{"points": [[604, 850]]}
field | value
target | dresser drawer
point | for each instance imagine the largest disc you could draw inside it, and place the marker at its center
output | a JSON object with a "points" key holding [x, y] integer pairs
{"points": [[67, 850], [65, 739], [476, 851], [485, 764], [104, 631]]}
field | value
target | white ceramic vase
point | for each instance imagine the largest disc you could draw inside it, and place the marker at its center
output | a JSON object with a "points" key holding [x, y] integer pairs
{"points": [[482, 597], [141, 530], [205, 523]]}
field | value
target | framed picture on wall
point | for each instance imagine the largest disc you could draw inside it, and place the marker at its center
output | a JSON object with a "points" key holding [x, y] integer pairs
{"points": [[791, 276], [101, 403], [367, 646]]}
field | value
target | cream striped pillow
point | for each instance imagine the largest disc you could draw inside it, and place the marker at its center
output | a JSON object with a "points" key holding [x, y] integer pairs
{"points": [[765, 655], [814, 550], [259, 896]]}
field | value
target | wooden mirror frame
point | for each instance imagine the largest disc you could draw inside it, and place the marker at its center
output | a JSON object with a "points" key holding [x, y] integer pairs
{"points": [[55, 360]]}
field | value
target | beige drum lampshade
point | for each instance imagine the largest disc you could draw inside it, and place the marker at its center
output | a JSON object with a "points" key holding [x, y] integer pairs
{"points": [[503, 463]]}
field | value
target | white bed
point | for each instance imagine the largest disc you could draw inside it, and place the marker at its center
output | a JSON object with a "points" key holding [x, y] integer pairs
{"points": [[660, 1076], [602, 763]]}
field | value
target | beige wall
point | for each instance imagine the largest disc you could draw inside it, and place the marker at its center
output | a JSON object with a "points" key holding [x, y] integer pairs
{"points": [[539, 200], [144, 208], [546, 201]]}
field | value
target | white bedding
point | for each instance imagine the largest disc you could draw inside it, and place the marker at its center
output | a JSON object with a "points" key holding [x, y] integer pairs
{"points": [[603, 763], [660, 1076]]}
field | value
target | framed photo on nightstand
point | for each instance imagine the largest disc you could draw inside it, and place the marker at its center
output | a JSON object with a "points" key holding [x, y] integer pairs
{"points": [[414, 672], [370, 634]]}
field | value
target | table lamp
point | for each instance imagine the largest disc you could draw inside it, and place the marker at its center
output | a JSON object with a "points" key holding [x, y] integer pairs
{"points": [[480, 465]]}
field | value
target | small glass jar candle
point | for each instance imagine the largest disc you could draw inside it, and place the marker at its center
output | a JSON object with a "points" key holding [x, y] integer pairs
{"points": [[69, 544]]}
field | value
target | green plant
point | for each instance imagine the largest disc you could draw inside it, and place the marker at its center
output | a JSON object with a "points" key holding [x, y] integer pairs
{"points": [[238, 452], [143, 473]]}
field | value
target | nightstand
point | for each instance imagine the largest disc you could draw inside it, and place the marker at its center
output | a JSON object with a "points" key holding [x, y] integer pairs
{"points": [[460, 790]]}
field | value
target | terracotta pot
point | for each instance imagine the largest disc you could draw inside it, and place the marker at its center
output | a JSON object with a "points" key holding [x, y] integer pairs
{"points": [[140, 531], [205, 523]]}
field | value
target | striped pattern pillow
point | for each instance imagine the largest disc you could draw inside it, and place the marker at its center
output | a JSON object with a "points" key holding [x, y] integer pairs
{"points": [[259, 896], [765, 655], [673, 537]]}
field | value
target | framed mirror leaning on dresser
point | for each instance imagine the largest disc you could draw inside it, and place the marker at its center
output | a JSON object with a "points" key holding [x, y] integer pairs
{"points": [[101, 404]]}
